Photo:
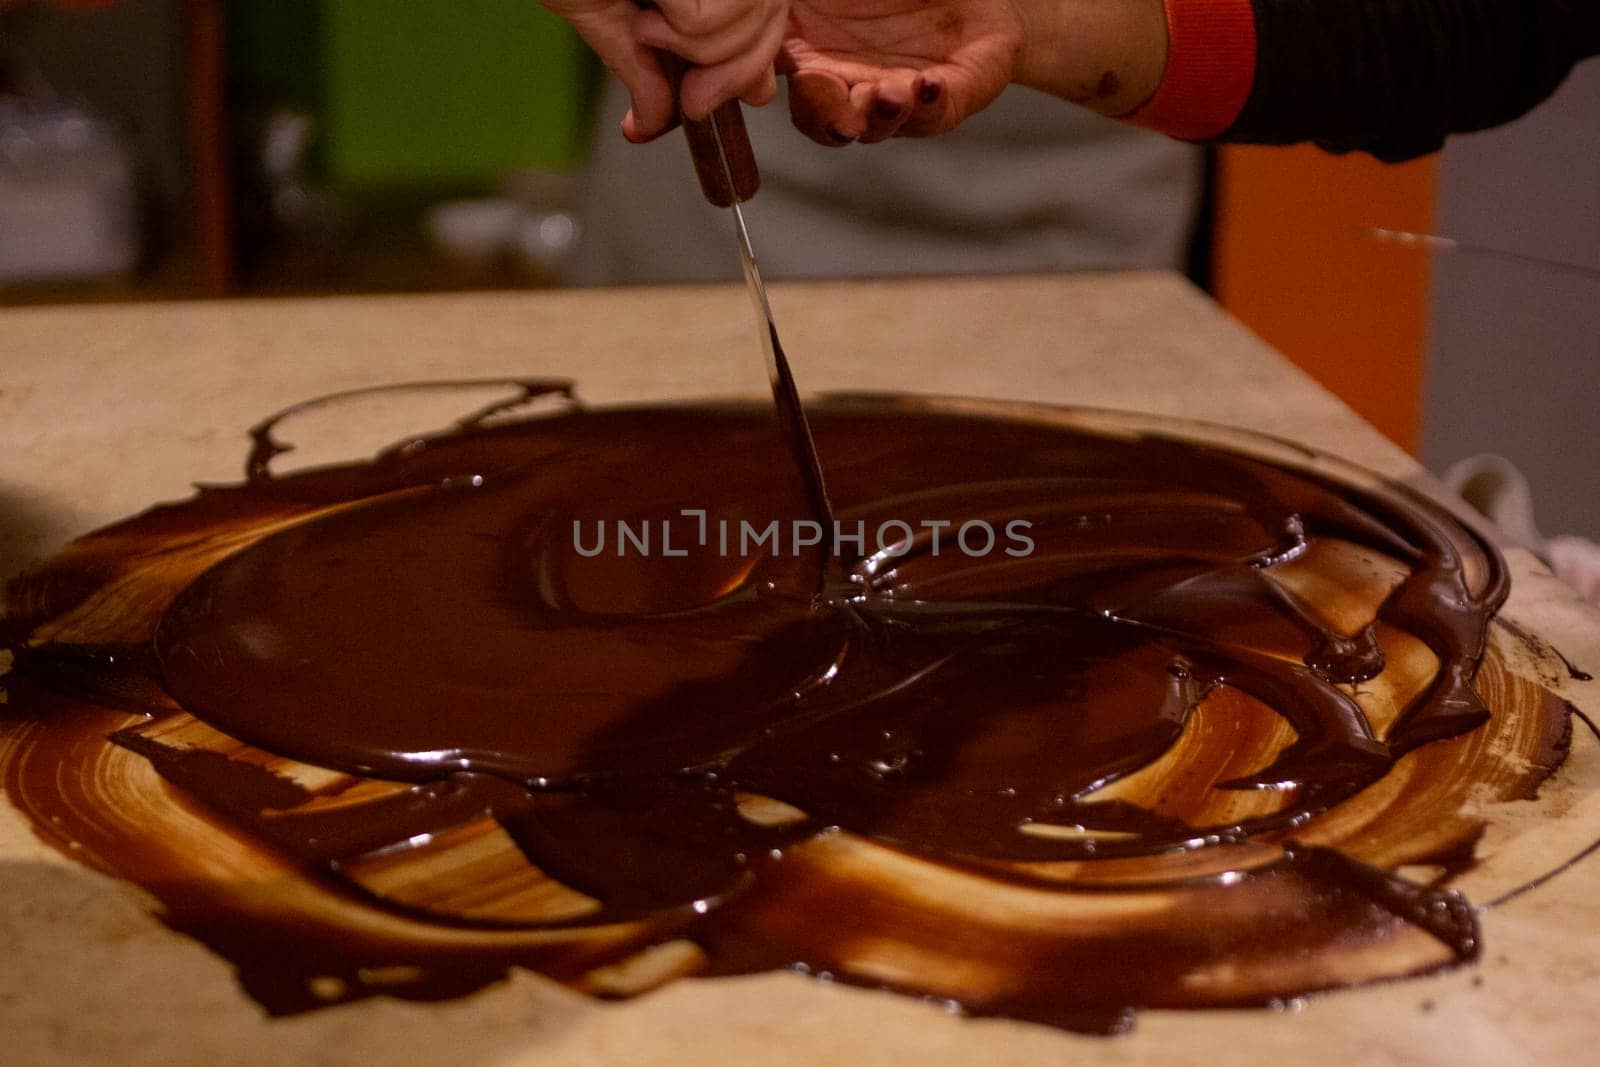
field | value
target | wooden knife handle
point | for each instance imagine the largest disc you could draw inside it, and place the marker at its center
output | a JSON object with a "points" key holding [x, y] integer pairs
{"points": [[703, 145]]}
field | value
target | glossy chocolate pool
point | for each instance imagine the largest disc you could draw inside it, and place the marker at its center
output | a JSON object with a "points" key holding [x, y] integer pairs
{"points": [[524, 694]]}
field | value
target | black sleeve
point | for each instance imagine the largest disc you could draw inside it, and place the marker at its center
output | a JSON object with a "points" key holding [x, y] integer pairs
{"points": [[1393, 77]]}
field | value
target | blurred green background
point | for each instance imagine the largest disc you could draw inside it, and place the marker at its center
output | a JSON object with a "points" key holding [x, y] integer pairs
{"points": [[418, 93]]}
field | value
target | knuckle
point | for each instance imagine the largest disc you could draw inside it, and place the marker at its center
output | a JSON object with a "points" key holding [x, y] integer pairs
{"points": [[696, 20], [701, 53]]}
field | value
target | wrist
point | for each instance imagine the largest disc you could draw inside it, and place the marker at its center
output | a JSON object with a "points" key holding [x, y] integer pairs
{"points": [[1210, 69], [1107, 55]]}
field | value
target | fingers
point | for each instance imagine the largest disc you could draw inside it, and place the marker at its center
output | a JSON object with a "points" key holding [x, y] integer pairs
{"points": [[735, 47], [654, 110], [708, 87], [817, 99], [706, 19], [702, 46], [936, 110], [638, 132], [607, 26], [834, 110], [887, 104], [763, 92], [734, 43]]}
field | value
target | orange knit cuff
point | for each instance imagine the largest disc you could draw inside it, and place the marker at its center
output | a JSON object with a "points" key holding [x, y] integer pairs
{"points": [[1211, 65]]}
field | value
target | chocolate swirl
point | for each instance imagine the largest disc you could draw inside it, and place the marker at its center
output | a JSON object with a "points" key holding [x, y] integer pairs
{"points": [[977, 775]]}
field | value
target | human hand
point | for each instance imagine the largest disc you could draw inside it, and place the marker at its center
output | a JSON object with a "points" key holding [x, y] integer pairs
{"points": [[730, 43], [865, 70]]}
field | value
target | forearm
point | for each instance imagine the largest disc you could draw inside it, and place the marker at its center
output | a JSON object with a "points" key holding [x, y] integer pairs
{"points": [[1390, 77], [1394, 77], [1108, 55]]}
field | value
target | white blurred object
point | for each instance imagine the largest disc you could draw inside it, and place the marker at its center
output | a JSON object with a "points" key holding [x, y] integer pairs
{"points": [[544, 240], [1500, 492], [473, 232], [67, 199], [485, 233]]}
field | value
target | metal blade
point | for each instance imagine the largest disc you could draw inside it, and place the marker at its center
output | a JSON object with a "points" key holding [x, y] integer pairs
{"points": [[797, 431], [1442, 243]]}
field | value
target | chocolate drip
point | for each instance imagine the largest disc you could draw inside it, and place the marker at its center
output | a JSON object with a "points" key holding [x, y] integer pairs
{"points": [[1573, 671], [1443, 913], [686, 740]]}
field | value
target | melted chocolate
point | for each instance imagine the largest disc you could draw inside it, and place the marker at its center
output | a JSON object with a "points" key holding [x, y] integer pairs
{"points": [[1573, 671], [699, 746]]}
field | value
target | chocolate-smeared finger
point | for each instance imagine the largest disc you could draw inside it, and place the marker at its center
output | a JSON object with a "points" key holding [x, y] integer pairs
{"points": [[935, 111], [900, 87], [816, 101], [893, 97], [883, 119]]}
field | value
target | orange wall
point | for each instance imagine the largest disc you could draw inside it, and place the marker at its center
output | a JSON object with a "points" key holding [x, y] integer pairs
{"points": [[1294, 263]]}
